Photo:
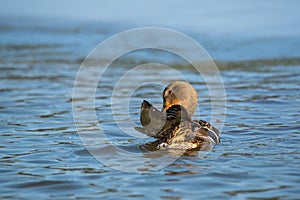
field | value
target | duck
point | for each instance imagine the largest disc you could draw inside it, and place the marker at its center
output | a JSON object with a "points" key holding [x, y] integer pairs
{"points": [[173, 126]]}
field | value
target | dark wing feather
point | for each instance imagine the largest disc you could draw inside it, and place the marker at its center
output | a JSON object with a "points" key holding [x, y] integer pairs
{"points": [[151, 119], [207, 129], [160, 124]]}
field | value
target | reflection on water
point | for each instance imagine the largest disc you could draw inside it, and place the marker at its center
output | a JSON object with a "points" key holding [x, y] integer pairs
{"points": [[43, 157]]}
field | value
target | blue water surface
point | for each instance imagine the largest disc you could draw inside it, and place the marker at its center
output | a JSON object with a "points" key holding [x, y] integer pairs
{"points": [[42, 156]]}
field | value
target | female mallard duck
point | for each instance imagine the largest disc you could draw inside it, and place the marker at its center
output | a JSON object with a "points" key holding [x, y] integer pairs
{"points": [[173, 127]]}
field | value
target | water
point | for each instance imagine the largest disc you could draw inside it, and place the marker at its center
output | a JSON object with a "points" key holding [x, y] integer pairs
{"points": [[42, 155]]}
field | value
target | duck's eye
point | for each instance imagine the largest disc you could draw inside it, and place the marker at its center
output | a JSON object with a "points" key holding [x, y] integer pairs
{"points": [[167, 92]]}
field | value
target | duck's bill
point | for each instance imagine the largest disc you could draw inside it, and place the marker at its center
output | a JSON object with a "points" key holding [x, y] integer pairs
{"points": [[166, 106]]}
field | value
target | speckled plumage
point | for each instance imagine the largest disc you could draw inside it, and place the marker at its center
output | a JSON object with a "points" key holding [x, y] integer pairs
{"points": [[173, 127], [179, 131]]}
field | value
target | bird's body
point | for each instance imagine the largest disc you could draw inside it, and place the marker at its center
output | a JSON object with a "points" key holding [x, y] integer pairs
{"points": [[176, 129], [173, 127]]}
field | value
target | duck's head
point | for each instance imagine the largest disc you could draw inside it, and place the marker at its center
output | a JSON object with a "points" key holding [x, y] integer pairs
{"points": [[180, 93]]}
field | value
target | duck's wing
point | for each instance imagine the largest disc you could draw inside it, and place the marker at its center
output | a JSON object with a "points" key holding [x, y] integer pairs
{"points": [[205, 130], [176, 115], [151, 119], [192, 134], [160, 124]]}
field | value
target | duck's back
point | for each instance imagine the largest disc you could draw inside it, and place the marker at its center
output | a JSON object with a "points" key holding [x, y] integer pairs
{"points": [[188, 135]]}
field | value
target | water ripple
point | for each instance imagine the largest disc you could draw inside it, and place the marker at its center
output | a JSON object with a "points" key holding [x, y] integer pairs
{"points": [[42, 156]]}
